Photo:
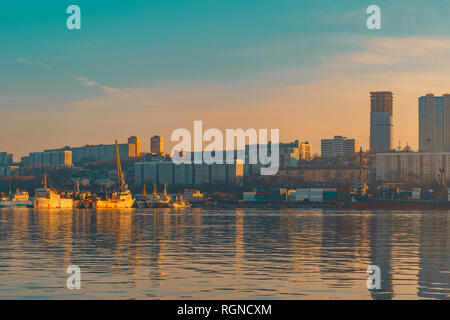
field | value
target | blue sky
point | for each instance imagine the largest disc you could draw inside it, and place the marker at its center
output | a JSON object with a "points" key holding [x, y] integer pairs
{"points": [[230, 50]]}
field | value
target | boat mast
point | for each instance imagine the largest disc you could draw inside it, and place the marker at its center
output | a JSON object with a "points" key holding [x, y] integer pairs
{"points": [[45, 179], [120, 179]]}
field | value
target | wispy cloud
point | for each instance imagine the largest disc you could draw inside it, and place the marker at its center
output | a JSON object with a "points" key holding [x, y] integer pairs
{"points": [[87, 82], [35, 63]]}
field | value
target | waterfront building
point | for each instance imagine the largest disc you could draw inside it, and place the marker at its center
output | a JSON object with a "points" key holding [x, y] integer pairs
{"points": [[8, 171], [157, 144], [324, 174], [381, 127], [434, 123], [424, 167], [95, 153], [50, 159], [165, 172], [339, 146]]}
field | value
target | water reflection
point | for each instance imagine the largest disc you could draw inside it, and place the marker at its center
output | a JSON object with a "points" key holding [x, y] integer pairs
{"points": [[224, 254]]}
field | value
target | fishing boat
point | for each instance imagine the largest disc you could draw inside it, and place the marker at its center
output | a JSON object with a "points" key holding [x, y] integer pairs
{"points": [[121, 199]]}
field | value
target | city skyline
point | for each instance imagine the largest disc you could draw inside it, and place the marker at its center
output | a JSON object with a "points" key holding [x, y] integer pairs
{"points": [[308, 76]]}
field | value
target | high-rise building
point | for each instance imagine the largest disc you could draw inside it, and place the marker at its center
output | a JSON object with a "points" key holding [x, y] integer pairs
{"points": [[339, 146], [157, 144], [6, 159], [381, 127], [434, 123], [134, 147]]}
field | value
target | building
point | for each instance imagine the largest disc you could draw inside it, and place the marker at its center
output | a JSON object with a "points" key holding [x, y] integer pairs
{"points": [[134, 147], [325, 174], [339, 146], [305, 151], [381, 127], [165, 172], [50, 159], [434, 123], [8, 171], [6, 159], [157, 144], [102, 152], [423, 167]]}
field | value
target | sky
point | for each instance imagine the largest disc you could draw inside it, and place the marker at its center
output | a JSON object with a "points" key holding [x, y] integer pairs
{"points": [[149, 67]]}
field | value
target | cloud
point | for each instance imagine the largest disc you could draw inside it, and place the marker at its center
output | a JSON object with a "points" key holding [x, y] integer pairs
{"points": [[35, 63], [87, 82]]}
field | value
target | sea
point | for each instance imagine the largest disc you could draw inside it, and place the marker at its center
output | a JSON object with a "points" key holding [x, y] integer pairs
{"points": [[200, 253]]}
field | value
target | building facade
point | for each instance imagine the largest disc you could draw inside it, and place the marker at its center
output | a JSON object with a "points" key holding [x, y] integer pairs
{"points": [[434, 123], [102, 152], [134, 147], [50, 159], [165, 172], [339, 146], [6, 159], [381, 127], [424, 167], [157, 144]]}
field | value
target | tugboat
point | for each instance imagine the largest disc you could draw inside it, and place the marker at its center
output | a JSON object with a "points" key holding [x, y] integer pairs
{"points": [[119, 200]]}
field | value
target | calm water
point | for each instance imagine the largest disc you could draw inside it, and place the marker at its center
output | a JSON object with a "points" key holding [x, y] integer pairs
{"points": [[224, 254]]}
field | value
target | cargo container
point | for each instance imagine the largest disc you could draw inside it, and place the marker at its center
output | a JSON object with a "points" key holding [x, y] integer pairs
{"points": [[329, 196], [316, 195], [415, 195], [249, 197], [302, 194], [260, 198]]}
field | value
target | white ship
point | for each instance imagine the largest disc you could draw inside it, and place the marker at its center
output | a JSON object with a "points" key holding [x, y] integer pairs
{"points": [[19, 199], [47, 198], [118, 200]]}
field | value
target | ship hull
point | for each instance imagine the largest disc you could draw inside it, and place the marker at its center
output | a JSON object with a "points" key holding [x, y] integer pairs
{"points": [[106, 204], [399, 204], [10, 204], [45, 203]]}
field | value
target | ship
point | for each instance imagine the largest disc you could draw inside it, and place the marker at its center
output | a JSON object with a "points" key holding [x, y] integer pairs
{"points": [[374, 204], [48, 198], [165, 199], [18, 199], [145, 200], [179, 203], [121, 199]]}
